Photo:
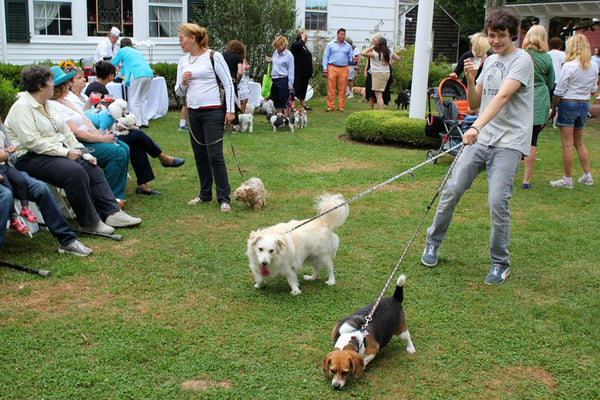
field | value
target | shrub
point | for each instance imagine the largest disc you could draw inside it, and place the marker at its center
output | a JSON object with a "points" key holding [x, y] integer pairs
{"points": [[12, 73], [402, 70], [392, 127], [169, 72], [8, 94]]}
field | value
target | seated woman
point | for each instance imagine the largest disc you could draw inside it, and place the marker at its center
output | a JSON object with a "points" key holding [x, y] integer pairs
{"points": [[140, 145], [112, 154], [48, 150]]}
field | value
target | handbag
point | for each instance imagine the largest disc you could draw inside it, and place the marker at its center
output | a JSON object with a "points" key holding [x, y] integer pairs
{"points": [[266, 83], [221, 88], [434, 125]]}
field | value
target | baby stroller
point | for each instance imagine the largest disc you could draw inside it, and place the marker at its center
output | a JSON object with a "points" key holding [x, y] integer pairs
{"points": [[450, 99]]}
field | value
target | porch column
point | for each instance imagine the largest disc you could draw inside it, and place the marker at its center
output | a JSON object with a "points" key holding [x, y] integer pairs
{"points": [[420, 73]]}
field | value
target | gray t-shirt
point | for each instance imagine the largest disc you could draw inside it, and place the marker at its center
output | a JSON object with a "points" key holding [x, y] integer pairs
{"points": [[511, 127]]}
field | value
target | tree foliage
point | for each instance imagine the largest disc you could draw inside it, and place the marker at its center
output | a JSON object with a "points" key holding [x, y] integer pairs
{"points": [[262, 21], [470, 14]]}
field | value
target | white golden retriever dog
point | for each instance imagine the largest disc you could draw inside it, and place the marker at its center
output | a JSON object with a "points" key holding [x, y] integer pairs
{"points": [[273, 252]]}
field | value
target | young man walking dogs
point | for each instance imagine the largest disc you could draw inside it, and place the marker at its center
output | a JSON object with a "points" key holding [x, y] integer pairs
{"points": [[496, 141]]}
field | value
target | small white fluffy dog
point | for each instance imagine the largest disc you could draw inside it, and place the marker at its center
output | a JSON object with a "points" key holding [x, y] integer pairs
{"points": [[267, 107], [272, 252], [252, 193], [246, 122], [124, 123]]}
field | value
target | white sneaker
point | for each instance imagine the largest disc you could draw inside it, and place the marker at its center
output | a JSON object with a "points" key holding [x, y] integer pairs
{"points": [[586, 180], [562, 182], [99, 227], [75, 247], [122, 219]]}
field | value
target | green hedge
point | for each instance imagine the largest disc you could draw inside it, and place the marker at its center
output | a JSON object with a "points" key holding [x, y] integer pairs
{"points": [[392, 127], [8, 94]]}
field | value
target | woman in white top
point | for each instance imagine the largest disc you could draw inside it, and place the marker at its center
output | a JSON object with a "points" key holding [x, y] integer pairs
{"points": [[112, 155], [140, 145], [578, 80], [381, 59], [199, 73]]}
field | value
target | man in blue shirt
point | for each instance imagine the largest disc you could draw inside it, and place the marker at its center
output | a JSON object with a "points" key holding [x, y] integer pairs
{"points": [[337, 56]]}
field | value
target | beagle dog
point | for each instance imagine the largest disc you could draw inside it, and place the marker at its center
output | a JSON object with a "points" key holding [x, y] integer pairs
{"points": [[355, 348]]}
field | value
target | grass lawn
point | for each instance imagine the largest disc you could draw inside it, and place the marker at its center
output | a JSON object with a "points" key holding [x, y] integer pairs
{"points": [[170, 312]]}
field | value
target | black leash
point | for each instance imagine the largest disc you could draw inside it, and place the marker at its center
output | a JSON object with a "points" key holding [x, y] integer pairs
{"points": [[228, 130], [369, 317]]}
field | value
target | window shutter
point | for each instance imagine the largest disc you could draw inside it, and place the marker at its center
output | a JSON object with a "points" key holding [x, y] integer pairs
{"points": [[17, 26], [193, 7]]}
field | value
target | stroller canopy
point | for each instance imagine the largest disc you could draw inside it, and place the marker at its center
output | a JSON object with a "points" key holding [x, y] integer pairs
{"points": [[450, 99]]}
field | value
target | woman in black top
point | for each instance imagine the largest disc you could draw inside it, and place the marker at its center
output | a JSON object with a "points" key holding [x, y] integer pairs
{"points": [[303, 67]]}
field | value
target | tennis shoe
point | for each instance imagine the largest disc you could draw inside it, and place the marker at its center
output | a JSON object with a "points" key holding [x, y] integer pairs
{"points": [[497, 275]]}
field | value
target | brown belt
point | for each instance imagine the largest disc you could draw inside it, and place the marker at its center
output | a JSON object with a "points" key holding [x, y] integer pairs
{"points": [[582, 101]]}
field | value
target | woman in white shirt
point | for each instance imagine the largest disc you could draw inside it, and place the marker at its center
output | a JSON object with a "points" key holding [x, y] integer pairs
{"points": [[578, 80], [381, 60], [200, 72], [112, 154]]}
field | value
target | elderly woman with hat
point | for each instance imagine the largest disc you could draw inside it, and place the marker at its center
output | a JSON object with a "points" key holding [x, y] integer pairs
{"points": [[47, 150], [112, 154]]}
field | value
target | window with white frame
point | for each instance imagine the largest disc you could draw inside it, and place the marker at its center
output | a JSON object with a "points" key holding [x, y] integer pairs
{"points": [[52, 18], [315, 16], [165, 16]]}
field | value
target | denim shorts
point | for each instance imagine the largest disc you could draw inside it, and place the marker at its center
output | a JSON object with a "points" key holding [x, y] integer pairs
{"points": [[572, 113]]}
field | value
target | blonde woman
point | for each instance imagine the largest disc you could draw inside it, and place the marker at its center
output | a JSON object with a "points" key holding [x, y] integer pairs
{"points": [[578, 80], [480, 47], [536, 44], [199, 72], [282, 73]]}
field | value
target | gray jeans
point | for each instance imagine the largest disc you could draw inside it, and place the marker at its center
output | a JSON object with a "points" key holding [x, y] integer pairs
{"points": [[501, 166]]}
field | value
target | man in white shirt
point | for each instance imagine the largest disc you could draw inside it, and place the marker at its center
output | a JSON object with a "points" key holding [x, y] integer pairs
{"points": [[557, 55], [108, 47]]}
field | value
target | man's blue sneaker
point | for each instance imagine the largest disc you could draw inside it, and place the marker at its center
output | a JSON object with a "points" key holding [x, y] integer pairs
{"points": [[497, 274], [430, 258]]}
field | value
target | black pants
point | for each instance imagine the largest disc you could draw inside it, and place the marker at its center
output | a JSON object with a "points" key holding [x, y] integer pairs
{"points": [[85, 184], [206, 136], [140, 147]]}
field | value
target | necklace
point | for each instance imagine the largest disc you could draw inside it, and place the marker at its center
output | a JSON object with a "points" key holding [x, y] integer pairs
{"points": [[202, 51]]}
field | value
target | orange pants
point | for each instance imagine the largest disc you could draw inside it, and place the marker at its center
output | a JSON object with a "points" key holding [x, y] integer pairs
{"points": [[339, 76]]}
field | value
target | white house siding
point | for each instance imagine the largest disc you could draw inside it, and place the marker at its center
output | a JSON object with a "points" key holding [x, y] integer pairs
{"points": [[360, 18], [79, 45]]}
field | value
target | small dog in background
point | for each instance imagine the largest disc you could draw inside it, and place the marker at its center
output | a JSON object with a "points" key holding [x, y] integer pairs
{"points": [[355, 348], [280, 120], [246, 123], [275, 251], [302, 118], [266, 107], [360, 91], [252, 193], [403, 99]]}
